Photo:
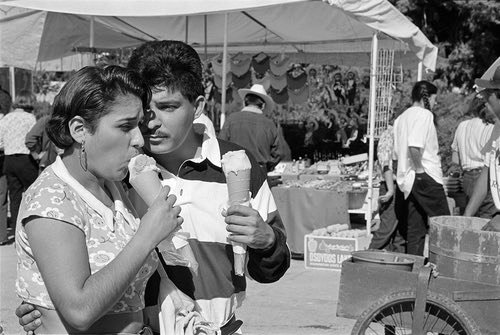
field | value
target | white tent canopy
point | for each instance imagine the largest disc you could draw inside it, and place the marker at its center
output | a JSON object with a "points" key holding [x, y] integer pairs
{"points": [[335, 32], [342, 32]]}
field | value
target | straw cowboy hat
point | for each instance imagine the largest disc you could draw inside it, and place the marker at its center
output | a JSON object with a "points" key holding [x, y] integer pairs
{"points": [[494, 82], [258, 90]]}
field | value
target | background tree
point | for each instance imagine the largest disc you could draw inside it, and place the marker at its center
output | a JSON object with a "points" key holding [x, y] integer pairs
{"points": [[467, 33]]}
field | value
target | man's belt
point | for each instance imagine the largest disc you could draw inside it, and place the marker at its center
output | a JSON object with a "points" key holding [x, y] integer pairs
{"points": [[473, 169]]}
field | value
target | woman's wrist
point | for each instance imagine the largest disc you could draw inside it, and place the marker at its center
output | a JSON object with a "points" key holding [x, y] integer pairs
{"points": [[145, 239]]}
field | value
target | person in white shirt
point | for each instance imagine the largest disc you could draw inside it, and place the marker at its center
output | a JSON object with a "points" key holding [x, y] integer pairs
{"points": [[19, 167], [490, 93], [5, 104], [419, 174], [470, 137]]}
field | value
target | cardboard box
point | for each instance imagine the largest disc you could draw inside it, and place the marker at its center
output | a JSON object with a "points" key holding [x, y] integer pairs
{"points": [[328, 253]]}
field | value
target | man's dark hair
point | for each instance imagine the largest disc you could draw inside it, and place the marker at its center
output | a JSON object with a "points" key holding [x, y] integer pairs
{"points": [[422, 90], [89, 93], [477, 108], [254, 100], [173, 65]]}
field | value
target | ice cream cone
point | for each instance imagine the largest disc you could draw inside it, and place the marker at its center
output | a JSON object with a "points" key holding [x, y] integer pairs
{"points": [[238, 186], [175, 249], [240, 254], [144, 178], [237, 168], [147, 185]]}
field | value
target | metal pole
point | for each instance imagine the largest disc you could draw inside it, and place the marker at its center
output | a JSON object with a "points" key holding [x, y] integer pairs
{"points": [[420, 71], [372, 110], [91, 39], [224, 71], [187, 30], [205, 26], [12, 82]]}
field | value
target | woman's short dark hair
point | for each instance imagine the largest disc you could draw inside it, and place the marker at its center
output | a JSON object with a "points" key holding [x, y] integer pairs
{"points": [[89, 93], [24, 100], [422, 90]]}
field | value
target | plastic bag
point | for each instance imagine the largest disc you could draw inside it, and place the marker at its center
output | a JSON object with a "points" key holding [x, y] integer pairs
{"points": [[177, 251]]}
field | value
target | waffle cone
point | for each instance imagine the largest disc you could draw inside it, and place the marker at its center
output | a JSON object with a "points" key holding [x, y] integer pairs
{"points": [[147, 185], [238, 186]]}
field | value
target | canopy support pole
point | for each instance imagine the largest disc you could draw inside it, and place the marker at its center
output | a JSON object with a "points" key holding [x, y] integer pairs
{"points": [[91, 38], [420, 71], [12, 82], [205, 37], [372, 111], [224, 71]]}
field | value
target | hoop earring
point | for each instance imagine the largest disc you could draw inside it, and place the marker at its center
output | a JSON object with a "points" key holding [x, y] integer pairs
{"points": [[83, 156]]}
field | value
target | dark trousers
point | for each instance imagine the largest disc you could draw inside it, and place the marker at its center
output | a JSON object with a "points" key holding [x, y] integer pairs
{"points": [[427, 199], [388, 236], [21, 171], [487, 209]]}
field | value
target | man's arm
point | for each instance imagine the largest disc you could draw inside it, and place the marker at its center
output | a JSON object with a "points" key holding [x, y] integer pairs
{"points": [[455, 159], [1, 135], [389, 182], [416, 157], [479, 193], [270, 264], [269, 256], [261, 229]]}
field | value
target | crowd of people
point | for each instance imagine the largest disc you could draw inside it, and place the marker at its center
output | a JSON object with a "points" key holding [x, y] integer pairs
{"points": [[106, 275], [413, 189], [329, 120]]}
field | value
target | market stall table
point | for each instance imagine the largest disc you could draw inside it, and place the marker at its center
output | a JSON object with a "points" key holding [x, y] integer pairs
{"points": [[305, 209]]}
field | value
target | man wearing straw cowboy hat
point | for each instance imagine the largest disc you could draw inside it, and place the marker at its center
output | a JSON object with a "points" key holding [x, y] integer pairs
{"points": [[489, 90], [252, 130]]}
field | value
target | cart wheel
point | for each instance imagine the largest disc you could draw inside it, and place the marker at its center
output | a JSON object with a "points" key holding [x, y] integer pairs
{"points": [[394, 315]]}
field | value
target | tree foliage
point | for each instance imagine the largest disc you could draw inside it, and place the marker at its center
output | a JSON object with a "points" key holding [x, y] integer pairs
{"points": [[467, 32]]}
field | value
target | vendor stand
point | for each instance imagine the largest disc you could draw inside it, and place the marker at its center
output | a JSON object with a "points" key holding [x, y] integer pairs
{"points": [[305, 209], [317, 197]]}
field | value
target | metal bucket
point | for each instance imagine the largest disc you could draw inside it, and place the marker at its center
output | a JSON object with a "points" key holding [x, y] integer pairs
{"points": [[389, 260], [461, 250]]}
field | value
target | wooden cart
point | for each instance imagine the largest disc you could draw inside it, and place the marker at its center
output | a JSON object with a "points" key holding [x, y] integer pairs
{"points": [[389, 300]]}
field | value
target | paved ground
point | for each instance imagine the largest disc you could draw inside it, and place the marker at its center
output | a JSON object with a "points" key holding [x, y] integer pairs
{"points": [[303, 302]]}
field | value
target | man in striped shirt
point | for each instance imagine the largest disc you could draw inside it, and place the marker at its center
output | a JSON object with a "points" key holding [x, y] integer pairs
{"points": [[184, 144]]}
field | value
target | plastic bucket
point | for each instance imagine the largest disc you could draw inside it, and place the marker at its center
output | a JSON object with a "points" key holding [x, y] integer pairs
{"points": [[461, 250]]}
